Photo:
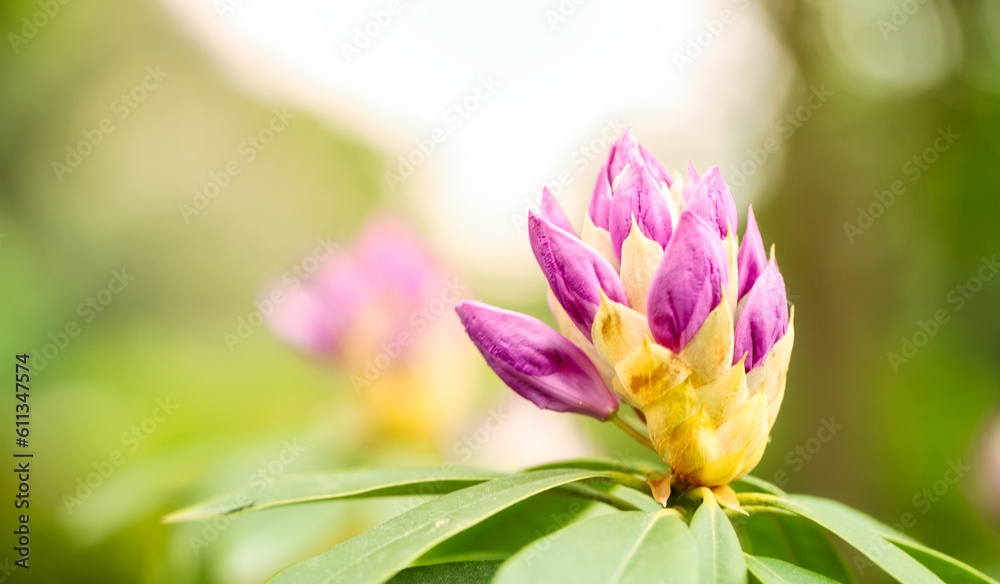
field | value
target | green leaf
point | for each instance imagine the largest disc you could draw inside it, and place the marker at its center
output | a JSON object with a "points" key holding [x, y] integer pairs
{"points": [[617, 548], [859, 534], [794, 540], [303, 488], [718, 546], [634, 467], [761, 485], [510, 530], [771, 571], [452, 573], [946, 567], [376, 555]]}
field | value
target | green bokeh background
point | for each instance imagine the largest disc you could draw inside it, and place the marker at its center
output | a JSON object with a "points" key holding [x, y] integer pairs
{"points": [[161, 338]]}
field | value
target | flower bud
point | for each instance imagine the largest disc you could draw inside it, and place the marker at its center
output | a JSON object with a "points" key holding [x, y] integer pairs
{"points": [[536, 361]]}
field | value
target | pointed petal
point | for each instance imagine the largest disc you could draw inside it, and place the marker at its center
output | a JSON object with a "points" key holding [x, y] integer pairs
{"points": [[712, 200], [618, 330], [764, 318], [729, 244], [575, 272], [771, 374], [640, 258], [551, 211], [536, 361], [724, 394], [710, 351], [599, 239], [599, 209], [648, 373], [689, 283], [655, 167], [624, 153], [752, 258], [569, 330], [638, 198]]}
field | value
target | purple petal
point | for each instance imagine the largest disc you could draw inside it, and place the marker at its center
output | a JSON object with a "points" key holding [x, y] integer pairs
{"points": [[751, 259], [574, 271], [655, 167], [625, 152], [551, 211], [536, 361], [600, 203], [692, 181], [688, 283], [713, 201], [764, 319], [639, 196]]}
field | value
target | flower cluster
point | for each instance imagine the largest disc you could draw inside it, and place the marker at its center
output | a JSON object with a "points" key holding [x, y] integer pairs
{"points": [[659, 305]]}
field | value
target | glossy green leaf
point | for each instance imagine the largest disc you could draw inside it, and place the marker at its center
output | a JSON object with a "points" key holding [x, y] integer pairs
{"points": [[857, 533], [771, 571], [794, 540], [946, 567], [510, 530], [758, 484], [626, 547], [451, 573], [721, 559], [635, 467], [378, 554], [303, 488]]}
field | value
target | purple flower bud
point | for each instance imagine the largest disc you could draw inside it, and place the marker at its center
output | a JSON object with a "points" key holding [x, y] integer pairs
{"points": [[639, 196], [751, 259], [574, 271], [600, 202], [627, 151], [688, 283], [536, 361], [764, 319], [551, 211], [711, 199]]}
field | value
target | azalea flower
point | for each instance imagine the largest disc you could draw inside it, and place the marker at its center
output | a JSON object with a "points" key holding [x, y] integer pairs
{"points": [[659, 305]]}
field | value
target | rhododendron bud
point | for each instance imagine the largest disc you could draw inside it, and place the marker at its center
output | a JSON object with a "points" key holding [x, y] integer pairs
{"points": [[536, 361], [681, 321]]}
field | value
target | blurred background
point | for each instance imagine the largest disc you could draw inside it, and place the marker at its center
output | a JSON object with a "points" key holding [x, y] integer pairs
{"points": [[178, 177]]}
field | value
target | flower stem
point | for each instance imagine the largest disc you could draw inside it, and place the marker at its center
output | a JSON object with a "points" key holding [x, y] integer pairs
{"points": [[637, 435]]}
